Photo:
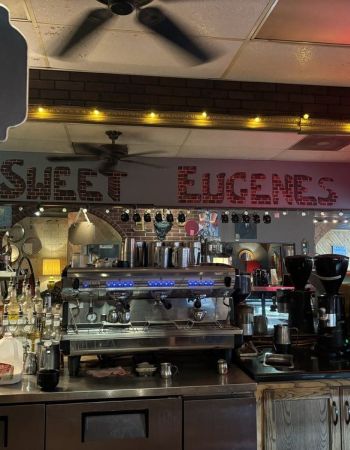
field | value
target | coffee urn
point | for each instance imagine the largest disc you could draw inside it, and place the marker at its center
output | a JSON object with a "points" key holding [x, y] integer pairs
{"points": [[331, 270]]}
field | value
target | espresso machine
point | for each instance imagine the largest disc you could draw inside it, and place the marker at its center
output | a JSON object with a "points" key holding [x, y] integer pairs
{"points": [[118, 311], [298, 300], [332, 341]]}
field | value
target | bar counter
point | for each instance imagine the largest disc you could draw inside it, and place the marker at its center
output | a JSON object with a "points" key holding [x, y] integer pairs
{"points": [[196, 382]]}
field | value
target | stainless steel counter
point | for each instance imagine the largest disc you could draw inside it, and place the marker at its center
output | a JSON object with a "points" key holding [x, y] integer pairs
{"points": [[194, 383]]}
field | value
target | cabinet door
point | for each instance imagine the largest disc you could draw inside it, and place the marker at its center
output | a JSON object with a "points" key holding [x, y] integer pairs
{"points": [[301, 418], [220, 424], [345, 412], [22, 427], [123, 425]]}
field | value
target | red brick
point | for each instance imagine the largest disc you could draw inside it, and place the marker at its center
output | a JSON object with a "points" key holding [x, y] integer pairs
{"points": [[69, 85], [54, 75]]}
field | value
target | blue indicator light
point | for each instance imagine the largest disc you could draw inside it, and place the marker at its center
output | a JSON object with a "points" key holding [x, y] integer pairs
{"points": [[86, 284], [161, 283], [118, 284]]}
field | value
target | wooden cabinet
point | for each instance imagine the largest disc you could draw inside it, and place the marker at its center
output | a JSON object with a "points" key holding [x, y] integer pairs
{"points": [[315, 416], [22, 427], [124, 425], [220, 424], [345, 417], [302, 418]]}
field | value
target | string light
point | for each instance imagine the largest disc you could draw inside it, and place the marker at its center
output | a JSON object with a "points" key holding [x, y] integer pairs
{"points": [[107, 211], [306, 116], [257, 119], [64, 210], [204, 114], [303, 213], [284, 213]]}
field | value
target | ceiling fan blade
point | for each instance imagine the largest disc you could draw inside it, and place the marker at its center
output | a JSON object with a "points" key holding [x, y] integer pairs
{"points": [[107, 165], [83, 148], [132, 155], [156, 20], [91, 22], [71, 158], [142, 163]]}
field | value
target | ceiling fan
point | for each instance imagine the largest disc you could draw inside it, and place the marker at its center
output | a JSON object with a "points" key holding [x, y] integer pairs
{"points": [[108, 154], [153, 18]]}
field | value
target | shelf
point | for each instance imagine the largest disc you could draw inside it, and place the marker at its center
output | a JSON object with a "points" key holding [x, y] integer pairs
{"points": [[271, 288], [7, 274]]}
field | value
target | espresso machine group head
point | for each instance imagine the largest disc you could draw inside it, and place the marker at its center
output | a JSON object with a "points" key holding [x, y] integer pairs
{"points": [[331, 270], [299, 301]]}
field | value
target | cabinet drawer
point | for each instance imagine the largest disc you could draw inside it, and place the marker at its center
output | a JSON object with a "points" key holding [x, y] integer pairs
{"points": [[22, 427], [220, 424], [123, 425]]}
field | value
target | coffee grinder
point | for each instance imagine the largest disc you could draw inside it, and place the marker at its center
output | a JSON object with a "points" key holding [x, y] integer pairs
{"points": [[299, 300], [332, 341]]}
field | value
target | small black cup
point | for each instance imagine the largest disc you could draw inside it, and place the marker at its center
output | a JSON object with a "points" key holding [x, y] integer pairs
{"points": [[48, 379]]}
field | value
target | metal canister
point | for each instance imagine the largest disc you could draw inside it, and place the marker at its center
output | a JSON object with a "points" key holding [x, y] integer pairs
{"points": [[222, 367]]}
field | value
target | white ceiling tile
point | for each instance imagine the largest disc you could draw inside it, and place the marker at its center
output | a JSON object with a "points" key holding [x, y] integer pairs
{"points": [[130, 134], [17, 9], [136, 53], [35, 145], [38, 130], [220, 152], [299, 20], [242, 139], [292, 63], [212, 18], [36, 54], [300, 155]]}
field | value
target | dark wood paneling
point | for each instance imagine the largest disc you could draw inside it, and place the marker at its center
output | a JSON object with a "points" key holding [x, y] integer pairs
{"points": [[65, 425], [22, 427], [220, 424]]}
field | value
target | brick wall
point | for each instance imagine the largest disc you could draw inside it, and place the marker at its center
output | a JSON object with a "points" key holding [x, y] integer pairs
{"points": [[133, 92], [125, 229]]}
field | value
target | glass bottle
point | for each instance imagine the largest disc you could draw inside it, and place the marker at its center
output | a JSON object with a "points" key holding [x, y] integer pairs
{"points": [[37, 300], [48, 331], [1, 307], [13, 308], [5, 321], [35, 335], [28, 305], [19, 333], [57, 327]]}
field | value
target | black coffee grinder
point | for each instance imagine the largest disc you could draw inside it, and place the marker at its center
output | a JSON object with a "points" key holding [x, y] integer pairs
{"points": [[332, 341], [299, 301]]}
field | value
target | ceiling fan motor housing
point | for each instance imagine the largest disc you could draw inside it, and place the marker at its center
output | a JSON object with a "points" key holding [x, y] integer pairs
{"points": [[121, 7]]}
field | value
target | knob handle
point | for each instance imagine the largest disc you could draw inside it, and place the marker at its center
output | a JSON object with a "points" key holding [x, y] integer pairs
{"points": [[335, 413], [347, 412]]}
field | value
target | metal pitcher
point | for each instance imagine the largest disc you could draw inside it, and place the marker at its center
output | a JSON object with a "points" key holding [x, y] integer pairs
{"points": [[180, 257], [48, 355], [161, 258]]}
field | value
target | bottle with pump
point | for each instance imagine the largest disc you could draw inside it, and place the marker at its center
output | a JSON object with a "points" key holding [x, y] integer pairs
{"points": [[37, 300], [2, 310], [13, 308]]}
